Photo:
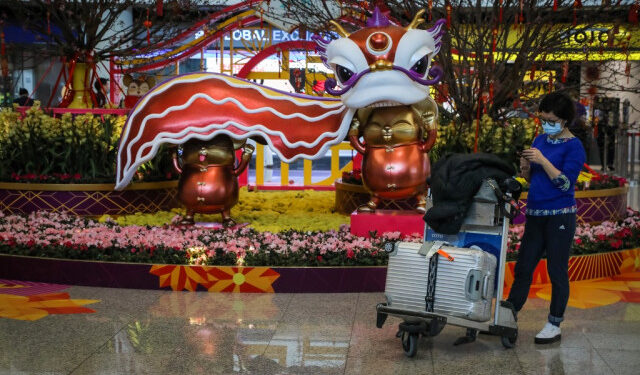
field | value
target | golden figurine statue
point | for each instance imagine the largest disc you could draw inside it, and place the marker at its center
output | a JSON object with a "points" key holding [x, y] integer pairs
{"points": [[209, 177], [396, 142]]}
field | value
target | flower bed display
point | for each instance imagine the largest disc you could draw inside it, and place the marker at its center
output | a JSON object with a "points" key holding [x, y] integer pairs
{"points": [[224, 260], [66, 236], [273, 211], [88, 199]]}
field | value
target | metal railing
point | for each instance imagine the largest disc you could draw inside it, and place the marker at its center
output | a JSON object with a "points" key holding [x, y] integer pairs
{"points": [[335, 172]]}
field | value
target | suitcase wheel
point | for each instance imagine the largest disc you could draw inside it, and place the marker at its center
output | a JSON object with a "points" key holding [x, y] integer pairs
{"points": [[509, 342], [410, 343]]}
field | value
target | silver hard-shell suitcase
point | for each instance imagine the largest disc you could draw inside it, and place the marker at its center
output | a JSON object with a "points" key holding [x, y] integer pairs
{"points": [[462, 287]]}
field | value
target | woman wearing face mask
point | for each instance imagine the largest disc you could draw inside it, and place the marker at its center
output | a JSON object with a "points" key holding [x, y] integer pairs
{"points": [[551, 165]]}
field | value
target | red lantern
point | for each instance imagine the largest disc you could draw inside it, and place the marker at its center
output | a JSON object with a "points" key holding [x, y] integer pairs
{"points": [[565, 71], [532, 74], [577, 4], [633, 13], [555, 5], [501, 9], [494, 33], [430, 7], [159, 9], [148, 25], [449, 9], [442, 93], [521, 12], [4, 63]]}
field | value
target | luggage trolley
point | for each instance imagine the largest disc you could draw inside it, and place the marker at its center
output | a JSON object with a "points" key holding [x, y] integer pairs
{"points": [[411, 285]]}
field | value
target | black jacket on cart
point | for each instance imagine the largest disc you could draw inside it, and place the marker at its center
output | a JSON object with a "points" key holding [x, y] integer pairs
{"points": [[455, 179]]}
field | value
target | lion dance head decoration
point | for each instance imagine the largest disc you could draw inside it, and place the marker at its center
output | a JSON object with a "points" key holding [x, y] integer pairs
{"points": [[383, 64], [379, 66], [384, 71]]}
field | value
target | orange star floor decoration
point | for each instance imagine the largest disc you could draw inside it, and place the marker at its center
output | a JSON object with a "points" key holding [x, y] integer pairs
{"points": [[216, 279], [25, 301], [586, 294]]}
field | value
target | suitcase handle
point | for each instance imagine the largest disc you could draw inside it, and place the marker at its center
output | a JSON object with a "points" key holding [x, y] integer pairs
{"points": [[485, 287], [473, 288]]}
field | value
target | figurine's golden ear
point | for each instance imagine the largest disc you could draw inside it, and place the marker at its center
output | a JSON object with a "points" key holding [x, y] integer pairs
{"points": [[127, 79], [426, 113], [151, 81]]}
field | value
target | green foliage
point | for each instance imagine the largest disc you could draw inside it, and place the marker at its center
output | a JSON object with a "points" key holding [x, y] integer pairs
{"points": [[503, 138], [37, 147]]}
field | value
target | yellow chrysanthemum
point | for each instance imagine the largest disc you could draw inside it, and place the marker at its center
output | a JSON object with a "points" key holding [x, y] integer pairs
{"points": [[265, 211]]}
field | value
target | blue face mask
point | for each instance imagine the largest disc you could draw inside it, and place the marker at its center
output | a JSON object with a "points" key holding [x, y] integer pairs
{"points": [[551, 128]]}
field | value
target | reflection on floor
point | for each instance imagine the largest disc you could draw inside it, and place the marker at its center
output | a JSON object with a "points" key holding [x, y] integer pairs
{"points": [[165, 332], [32, 301]]}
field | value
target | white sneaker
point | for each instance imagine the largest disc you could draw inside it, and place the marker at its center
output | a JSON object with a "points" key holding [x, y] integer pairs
{"points": [[549, 334]]}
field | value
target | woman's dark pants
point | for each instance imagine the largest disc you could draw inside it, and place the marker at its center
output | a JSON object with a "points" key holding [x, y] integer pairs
{"points": [[552, 235]]}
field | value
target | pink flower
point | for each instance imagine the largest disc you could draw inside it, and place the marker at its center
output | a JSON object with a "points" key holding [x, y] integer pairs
{"points": [[350, 254]]}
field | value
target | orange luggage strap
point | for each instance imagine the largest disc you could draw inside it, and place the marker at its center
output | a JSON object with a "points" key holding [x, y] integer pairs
{"points": [[445, 254]]}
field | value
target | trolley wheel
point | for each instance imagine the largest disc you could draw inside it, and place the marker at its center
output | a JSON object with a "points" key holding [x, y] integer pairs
{"points": [[509, 342], [410, 343]]}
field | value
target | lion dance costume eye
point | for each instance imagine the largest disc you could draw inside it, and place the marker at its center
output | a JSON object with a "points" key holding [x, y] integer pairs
{"points": [[383, 73]]}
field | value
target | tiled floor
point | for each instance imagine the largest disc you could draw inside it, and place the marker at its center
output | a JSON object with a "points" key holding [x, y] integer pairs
{"points": [[163, 332]]}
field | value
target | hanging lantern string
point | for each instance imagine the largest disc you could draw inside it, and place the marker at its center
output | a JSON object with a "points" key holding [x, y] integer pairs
{"points": [[148, 25]]}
